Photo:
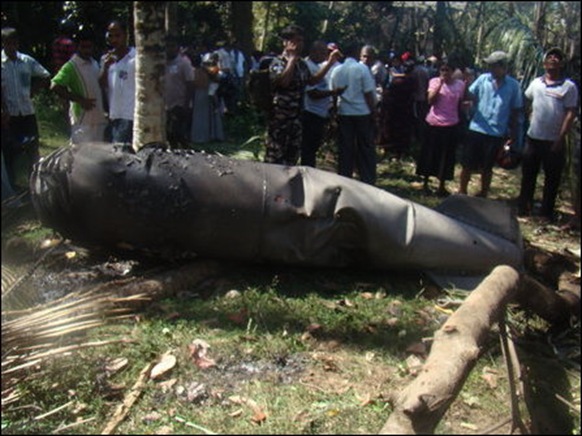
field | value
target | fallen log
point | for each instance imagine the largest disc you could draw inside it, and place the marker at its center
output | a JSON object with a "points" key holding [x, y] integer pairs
{"points": [[420, 406], [555, 307]]}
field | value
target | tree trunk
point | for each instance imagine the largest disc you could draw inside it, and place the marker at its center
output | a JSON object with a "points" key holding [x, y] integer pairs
{"points": [[539, 23], [479, 43], [242, 25], [172, 18], [455, 350], [326, 21], [149, 116], [439, 27], [265, 25]]}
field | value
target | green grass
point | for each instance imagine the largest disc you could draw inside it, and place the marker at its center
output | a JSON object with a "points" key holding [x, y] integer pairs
{"points": [[317, 350]]}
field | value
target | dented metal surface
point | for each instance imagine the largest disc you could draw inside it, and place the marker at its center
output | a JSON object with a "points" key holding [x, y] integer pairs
{"points": [[180, 202]]}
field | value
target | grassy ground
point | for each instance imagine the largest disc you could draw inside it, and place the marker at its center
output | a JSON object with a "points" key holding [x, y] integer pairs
{"points": [[290, 350]]}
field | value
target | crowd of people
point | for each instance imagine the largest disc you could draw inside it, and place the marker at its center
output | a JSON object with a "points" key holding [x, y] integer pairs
{"points": [[375, 102]]}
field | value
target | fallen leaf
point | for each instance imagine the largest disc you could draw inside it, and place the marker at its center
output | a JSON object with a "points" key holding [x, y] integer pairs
{"points": [[196, 392], [236, 413], [240, 317], [490, 376], [346, 302], [233, 293], [151, 417], [471, 400], [365, 401], [167, 385], [490, 379], [165, 429], [258, 415], [236, 399], [70, 254], [332, 412], [116, 365], [369, 328], [417, 348], [49, 243], [392, 321], [167, 362], [198, 350], [469, 426], [313, 327], [330, 304], [367, 295], [413, 364], [394, 308]]}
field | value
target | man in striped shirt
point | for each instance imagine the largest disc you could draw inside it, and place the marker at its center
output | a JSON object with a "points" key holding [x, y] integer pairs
{"points": [[78, 82]]}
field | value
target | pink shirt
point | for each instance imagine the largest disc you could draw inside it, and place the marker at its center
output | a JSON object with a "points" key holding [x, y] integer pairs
{"points": [[445, 109]]}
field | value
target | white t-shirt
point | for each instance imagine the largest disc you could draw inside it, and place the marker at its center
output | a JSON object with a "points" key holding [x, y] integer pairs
{"points": [[121, 87], [359, 81], [549, 105], [318, 106]]}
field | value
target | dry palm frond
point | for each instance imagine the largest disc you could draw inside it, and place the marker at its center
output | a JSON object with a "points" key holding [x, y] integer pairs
{"points": [[31, 336]]}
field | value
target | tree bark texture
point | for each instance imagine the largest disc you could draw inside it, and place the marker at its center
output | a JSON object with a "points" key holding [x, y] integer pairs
{"points": [[457, 345], [242, 25], [149, 116]]}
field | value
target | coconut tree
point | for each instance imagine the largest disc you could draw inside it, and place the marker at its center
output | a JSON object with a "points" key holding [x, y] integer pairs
{"points": [[149, 115]]}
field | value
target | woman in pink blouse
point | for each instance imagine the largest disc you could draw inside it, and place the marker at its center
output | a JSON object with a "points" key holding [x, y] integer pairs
{"points": [[437, 155]]}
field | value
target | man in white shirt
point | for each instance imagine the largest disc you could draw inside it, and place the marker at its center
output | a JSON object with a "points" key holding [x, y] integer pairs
{"points": [[118, 80], [316, 105], [356, 109], [554, 100]]}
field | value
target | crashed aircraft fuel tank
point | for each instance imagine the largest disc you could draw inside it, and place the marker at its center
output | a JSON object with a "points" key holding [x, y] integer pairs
{"points": [[180, 202]]}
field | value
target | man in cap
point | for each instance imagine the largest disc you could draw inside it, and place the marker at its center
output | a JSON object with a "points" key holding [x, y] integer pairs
{"points": [[498, 101], [289, 75], [554, 100]]}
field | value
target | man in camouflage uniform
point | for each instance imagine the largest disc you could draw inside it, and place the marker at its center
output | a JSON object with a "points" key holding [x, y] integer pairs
{"points": [[290, 75]]}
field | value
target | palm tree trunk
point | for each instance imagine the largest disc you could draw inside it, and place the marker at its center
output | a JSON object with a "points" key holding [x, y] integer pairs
{"points": [[149, 115], [326, 21], [265, 25], [172, 18], [242, 25]]}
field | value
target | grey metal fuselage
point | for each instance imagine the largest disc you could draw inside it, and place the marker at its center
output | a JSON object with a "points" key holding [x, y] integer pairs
{"points": [[176, 201]]}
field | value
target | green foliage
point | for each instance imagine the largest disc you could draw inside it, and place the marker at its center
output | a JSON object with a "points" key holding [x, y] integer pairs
{"points": [[53, 121]]}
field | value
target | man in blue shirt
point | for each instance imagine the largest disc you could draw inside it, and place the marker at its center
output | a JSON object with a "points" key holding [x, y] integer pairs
{"points": [[356, 109], [498, 101]]}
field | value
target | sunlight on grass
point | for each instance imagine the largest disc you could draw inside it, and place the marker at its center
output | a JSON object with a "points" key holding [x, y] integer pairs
{"points": [[294, 350]]}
